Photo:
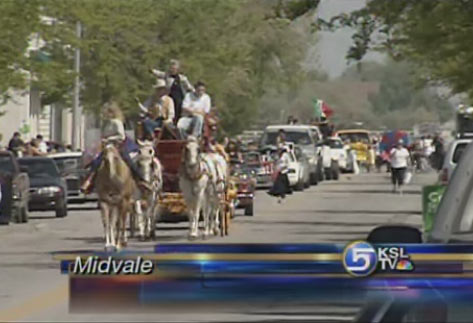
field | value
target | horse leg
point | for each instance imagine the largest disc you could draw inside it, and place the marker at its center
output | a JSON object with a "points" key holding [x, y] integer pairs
{"points": [[122, 213], [105, 210], [193, 221], [141, 219], [113, 226], [207, 210], [128, 211]]}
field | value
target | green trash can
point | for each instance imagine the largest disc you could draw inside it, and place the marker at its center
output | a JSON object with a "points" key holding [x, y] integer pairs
{"points": [[431, 197]]}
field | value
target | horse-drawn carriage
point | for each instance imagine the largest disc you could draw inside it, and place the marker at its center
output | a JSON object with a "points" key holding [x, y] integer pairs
{"points": [[169, 149]]}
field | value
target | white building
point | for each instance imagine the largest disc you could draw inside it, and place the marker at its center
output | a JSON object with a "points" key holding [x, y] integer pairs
{"points": [[24, 113]]}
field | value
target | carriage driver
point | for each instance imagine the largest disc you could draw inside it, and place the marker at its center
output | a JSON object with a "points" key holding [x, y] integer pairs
{"points": [[114, 130], [159, 107], [195, 106]]}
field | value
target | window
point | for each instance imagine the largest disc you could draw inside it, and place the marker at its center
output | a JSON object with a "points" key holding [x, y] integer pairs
{"points": [[459, 149], [6, 164], [297, 137], [355, 137], [336, 144], [39, 167], [67, 164]]}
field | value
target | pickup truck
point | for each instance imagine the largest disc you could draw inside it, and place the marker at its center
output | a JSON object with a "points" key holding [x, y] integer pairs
{"points": [[15, 185]]}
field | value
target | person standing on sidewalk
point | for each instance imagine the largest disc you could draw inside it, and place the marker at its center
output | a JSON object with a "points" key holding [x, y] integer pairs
{"points": [[399, 161]]}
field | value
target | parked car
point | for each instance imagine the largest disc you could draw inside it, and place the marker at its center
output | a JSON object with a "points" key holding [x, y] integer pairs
{"points": [[15, 189], [262, 168], [245, 180], [452, 157], [301, 135], [48, 190], [71, 167]]}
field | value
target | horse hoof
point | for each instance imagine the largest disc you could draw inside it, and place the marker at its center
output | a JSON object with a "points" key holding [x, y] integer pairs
{"points": [[192, 237], [110, 248], [142, 238], [217, 231]]}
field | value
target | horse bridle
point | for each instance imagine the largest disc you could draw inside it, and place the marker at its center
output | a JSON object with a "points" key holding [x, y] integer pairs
{"points": [[199, 173]]}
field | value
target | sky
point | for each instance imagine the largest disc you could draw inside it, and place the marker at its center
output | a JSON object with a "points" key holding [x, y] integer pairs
{"points": [[329, 52]]}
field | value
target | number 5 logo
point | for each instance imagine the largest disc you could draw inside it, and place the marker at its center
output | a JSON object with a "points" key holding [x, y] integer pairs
{"points": [[360, 259]]}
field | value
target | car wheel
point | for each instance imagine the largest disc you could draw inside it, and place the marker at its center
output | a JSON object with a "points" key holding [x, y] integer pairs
{"points": [[61, 212], [249, 210], [313, 179], [299, 185], [307, 183], [24, 214], [328, 173], [335, 171], [17, 214]]}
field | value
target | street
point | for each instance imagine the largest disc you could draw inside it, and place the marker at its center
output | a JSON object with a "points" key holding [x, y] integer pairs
{"points": [[332, 212]]}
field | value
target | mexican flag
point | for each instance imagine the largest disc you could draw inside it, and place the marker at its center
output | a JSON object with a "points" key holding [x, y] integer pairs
{"points": [[321, 109]]}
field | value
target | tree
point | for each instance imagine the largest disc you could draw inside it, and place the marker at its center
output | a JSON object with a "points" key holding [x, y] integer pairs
{"points": [[241, 49], [432, 34], [17, 19]]}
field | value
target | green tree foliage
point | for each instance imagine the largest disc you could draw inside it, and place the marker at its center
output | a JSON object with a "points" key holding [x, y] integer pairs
{"points": [[17, 19], [240, 48], [433, 34]]}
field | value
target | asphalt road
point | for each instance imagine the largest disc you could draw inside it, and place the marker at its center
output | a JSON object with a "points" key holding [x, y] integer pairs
{"points": [[31, 287]]}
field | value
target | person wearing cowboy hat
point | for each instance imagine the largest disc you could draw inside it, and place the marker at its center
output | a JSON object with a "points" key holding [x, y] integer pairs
{"points": [[159, 108]]}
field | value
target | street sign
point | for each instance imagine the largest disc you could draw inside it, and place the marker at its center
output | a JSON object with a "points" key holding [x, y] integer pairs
{"points": [[431, 197]]}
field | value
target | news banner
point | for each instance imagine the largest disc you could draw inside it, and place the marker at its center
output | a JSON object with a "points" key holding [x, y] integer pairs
{"points": [[231, 273]]}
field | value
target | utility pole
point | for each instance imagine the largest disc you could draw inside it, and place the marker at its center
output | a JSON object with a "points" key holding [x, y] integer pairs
{"points": [[76, 111]]}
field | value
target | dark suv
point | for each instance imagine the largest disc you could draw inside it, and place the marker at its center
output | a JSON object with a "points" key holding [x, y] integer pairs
{"points": [[14, 188], [48, 190]]}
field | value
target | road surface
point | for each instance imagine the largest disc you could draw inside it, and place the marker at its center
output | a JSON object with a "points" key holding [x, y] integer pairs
{"points": [[333, 212]]}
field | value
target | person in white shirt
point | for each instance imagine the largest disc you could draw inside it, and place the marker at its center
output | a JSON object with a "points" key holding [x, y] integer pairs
{"points": [[400, 159], [281, 184], [194, 108], [42, 146]]}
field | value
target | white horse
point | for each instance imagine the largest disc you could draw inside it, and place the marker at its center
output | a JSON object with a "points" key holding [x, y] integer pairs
{"points": [[147, 205], [194, 178], [218, 169], [202, 179]]}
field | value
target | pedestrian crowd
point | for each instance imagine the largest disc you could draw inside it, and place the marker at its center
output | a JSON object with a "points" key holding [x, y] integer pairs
{"points": [[37, 146]]}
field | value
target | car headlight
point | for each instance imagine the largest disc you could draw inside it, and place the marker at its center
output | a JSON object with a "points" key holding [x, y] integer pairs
{"points": [[49, 190], [244, 176]]}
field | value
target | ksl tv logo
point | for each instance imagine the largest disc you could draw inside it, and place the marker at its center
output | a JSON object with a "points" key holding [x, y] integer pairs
{"points": [[361, 259]]}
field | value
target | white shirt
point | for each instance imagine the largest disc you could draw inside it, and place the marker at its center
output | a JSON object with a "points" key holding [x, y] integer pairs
{"points": [[195, 103], [283, 163], [399, 157], [43, 147]]}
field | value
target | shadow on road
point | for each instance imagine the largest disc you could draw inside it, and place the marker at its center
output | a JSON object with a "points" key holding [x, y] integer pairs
{"points": [[86, 239], [364, 232], [387, 191]]}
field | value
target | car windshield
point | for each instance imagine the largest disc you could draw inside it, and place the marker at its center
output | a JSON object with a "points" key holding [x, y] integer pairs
{"points": [[40, 167], [252, 158], [297, 137], [67, 164], [336, 144], [6, 165], [459, 149], [353, 137]]}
